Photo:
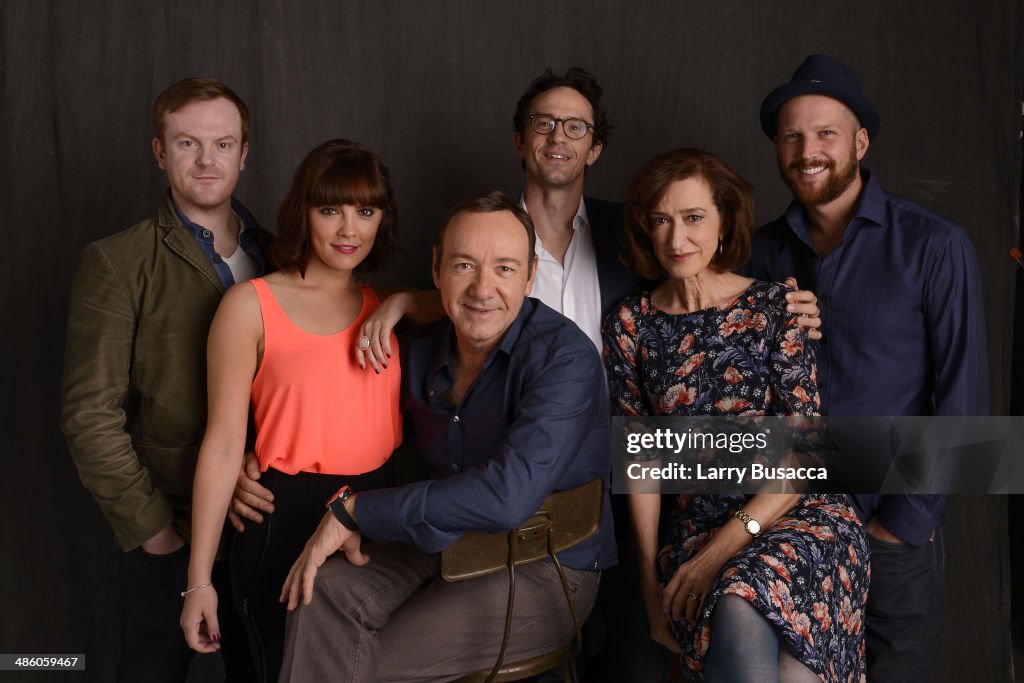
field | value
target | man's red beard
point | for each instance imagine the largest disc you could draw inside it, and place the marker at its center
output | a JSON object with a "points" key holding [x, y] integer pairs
{"points": [[836, 184]]}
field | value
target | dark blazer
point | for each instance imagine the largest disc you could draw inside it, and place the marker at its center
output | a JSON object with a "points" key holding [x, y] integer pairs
{"points": [[133, 401], [607, 229]]}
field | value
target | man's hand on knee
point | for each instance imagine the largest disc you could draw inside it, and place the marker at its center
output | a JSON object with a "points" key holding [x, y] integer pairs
{"points": [[329, 537], [250, 496]]}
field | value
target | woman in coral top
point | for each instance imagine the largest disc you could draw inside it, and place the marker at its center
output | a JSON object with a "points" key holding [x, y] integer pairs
{"points": [[286, 344]]}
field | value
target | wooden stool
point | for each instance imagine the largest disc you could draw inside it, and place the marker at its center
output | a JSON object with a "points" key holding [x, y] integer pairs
{"points": [[564, 519], [527, 668]]}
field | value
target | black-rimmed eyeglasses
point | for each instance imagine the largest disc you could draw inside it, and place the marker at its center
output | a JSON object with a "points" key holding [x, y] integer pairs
{"points": [[544, 124]]}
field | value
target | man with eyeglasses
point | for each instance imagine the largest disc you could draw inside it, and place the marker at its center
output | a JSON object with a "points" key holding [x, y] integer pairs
{"points": [[561, 128]]}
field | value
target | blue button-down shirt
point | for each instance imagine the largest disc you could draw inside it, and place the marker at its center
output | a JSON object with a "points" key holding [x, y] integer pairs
{"points": [[246, 239], [903, 321], [535, 421]]}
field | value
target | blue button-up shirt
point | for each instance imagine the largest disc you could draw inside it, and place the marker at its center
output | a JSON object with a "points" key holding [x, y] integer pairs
{"points": [[535, 421], [246, 239], [903, 322]]}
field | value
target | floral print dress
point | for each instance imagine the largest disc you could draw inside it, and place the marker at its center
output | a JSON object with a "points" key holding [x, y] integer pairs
{"points": [[808, 573]]}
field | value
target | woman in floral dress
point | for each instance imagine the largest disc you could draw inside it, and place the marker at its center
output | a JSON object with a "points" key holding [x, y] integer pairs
{"points": [[787, 603]]}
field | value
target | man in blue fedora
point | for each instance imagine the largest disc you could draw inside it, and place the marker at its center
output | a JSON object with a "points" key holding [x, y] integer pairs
{"points": [[903, 328]]}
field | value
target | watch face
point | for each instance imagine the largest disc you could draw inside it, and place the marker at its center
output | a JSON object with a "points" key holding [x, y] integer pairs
{"points": [[753, 527]]}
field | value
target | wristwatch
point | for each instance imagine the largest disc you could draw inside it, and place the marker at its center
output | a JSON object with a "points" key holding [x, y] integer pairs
{"points": [[337, 505], [752, 526]]}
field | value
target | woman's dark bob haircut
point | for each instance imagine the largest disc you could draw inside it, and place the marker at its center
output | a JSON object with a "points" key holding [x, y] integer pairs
{"points": [[335, 173], [733, 197]]}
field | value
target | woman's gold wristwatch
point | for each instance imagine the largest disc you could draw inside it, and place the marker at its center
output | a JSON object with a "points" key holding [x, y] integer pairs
{"points": [[752, 526]]}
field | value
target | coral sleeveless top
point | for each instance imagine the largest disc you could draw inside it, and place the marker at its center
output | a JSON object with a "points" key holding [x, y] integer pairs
{"points": [[315, 410]]}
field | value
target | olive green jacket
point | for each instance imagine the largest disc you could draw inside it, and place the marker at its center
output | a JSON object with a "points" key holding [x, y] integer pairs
{"points": [[133, 404]]}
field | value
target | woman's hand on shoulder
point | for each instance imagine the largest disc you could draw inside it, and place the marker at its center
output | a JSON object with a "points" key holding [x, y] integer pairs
{"points": [[373, 345]]}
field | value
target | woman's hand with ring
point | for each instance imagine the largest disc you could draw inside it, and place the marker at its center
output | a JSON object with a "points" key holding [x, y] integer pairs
{"points": [[373, 345]]}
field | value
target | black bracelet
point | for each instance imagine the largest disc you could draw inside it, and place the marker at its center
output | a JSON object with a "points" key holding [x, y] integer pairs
{"points": [[337, 506]]}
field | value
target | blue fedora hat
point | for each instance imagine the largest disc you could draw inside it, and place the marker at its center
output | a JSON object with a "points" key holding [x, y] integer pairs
{"points": [[821, 75]]}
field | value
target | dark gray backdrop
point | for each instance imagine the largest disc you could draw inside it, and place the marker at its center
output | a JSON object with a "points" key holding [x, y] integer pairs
{"points": [[432, 87]]}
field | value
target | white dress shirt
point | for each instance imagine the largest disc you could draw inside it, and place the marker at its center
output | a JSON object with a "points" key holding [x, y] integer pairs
{"points": [[571, 287]]}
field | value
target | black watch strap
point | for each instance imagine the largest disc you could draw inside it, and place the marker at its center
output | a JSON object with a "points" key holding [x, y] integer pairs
{"points": [[337, 506]]}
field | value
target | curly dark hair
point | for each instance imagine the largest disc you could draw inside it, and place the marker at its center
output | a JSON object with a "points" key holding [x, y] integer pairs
{"points": [[580, 80]]}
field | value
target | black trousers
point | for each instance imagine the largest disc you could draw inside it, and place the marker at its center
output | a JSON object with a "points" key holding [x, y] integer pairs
{"points": [[904, 610], [153, 647], [627, 653], [264, 553]]}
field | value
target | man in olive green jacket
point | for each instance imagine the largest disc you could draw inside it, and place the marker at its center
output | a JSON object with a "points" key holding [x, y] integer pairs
{"points": [[134, 389]]}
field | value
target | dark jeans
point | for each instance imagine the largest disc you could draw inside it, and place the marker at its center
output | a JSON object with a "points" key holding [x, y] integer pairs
{"points": [[264, 553], [904, 610], [153, 647]]}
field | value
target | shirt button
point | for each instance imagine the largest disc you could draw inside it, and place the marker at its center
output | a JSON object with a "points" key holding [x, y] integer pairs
{"points": [[455, 419], [207, 234]]}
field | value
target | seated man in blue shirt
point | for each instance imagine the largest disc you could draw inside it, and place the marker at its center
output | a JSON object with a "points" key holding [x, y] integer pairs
{"points": [[508, 403], [903, 322]]}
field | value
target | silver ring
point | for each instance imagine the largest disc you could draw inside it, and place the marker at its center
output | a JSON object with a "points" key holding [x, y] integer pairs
{"points": [[364, 342], [693, 596]]}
